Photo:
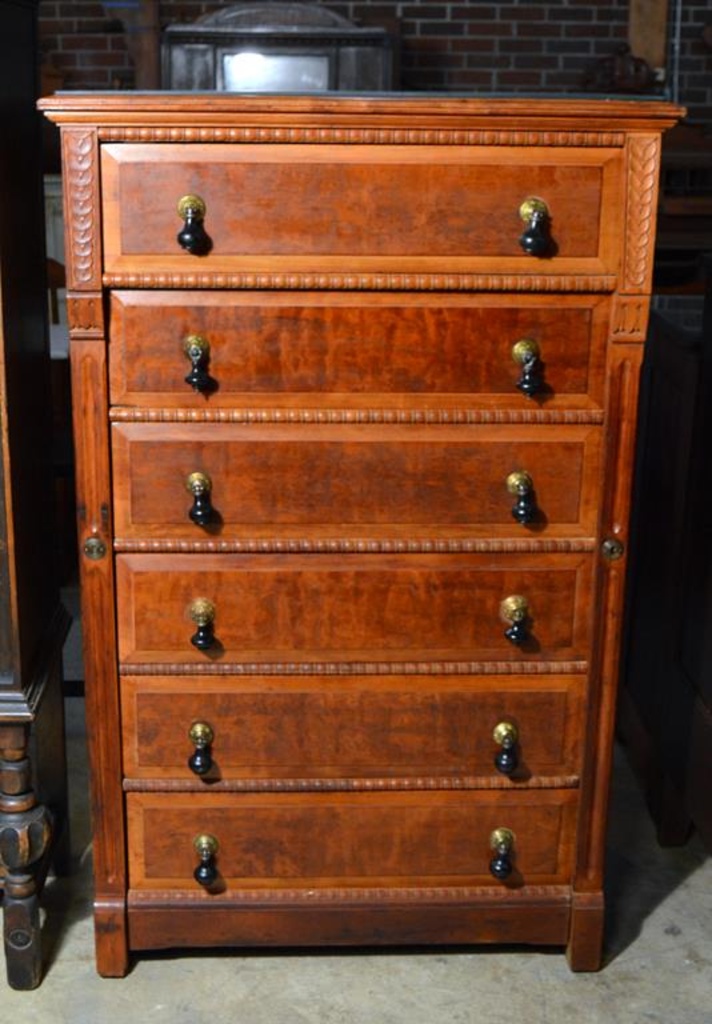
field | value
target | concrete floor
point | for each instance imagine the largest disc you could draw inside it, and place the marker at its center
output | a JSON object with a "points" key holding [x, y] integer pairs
{"points": [[659, 955]]}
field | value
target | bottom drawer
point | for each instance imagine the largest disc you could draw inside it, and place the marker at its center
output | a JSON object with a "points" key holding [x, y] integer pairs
{"points": [[292, 841]]}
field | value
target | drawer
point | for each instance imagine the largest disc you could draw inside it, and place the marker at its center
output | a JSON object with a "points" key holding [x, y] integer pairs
{"points": [[350, 209], [349, 727], [322, 840], [307, 483], [292, 609], [335, 349]]}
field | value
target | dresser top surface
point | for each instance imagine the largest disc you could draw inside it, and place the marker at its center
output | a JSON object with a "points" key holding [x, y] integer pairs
{"points": [[570, 113]]}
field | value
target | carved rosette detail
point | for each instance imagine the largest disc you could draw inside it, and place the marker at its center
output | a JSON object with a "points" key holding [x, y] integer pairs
{"points": [[594, 283], [85, 314], [349, 136], [643, 157], [629, 318], [79, 160]]}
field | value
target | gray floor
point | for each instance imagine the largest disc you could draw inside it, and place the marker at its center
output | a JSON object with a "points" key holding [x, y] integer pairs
{"points": [[659, 953]]}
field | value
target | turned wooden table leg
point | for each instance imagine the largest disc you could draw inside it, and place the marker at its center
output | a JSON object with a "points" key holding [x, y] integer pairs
{"points": [[25, 833]]}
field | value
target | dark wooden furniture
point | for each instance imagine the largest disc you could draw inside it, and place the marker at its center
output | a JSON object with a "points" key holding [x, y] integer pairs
{"points": [[353, 439], [684, 230], [32, 622], [277, 47], [666, 697]]}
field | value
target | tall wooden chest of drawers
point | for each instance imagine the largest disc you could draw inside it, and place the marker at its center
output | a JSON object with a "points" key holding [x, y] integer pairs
{"points": [[355, 386]]}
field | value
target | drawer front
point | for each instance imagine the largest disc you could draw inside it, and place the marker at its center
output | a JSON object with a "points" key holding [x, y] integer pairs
{"points": [[271, 728], [348, 348], [299, 609], [320, 840], [358, 208], [354, 481]]}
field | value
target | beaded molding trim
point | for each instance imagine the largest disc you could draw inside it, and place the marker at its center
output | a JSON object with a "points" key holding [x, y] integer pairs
{"points": [[479, 896], [348, 668], [594, 283], [351, 545], [359, 136], [351, 785], [437, 417]]}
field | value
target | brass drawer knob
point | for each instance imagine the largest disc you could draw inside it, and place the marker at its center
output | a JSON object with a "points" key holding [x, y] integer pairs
{"points": [[535, 240], [202, 612], [201, 511], [502, 843], [520, 485], [527, 355], [192, 237], [505, 736], [197, 349], [206, 847], [201, 736], [515, 610]]}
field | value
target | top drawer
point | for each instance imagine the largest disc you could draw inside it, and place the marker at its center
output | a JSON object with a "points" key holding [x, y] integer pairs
{"points": [[359, 209]]}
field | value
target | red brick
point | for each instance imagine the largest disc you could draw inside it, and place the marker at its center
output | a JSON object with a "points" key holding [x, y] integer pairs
{"points": [[474, 14], [103, 60], [495, 29], [471, 79], [474, 46], [519, 45], [56, 27], [88, 43], [522, 13], [81, 9], [65, 60], [588, 31]]}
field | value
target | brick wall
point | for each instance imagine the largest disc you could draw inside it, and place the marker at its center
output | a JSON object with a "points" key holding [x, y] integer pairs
{"points": [[692, 57], [85, 44], [480, 45]]}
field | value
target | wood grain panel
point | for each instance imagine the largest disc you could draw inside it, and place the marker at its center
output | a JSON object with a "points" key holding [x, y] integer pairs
{"points": [[298, 481], [316, 347], [271, 728], [301, 608], [321, 207], [534, 915], [357, 839]]}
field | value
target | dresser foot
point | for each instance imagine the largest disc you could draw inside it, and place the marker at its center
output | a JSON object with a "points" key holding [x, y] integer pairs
{"points": [[22, 934], [110, 938], [25, 836], [585, 946]]}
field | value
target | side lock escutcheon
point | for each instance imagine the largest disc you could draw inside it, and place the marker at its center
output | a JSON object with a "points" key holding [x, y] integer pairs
{"points": [[612, 549], [94, 548]]}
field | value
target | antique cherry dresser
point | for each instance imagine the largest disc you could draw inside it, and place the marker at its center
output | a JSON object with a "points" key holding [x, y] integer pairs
{"points": [[355, 385]]}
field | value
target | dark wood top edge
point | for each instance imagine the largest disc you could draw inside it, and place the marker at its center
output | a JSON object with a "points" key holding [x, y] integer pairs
{"points": [[111, 108]]}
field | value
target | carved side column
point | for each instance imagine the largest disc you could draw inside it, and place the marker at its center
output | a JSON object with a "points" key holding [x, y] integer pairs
{"points": [[90, 399], [25, 835]]}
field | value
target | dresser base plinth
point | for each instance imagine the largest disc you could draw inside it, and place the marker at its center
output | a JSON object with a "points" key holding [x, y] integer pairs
{"points": [[535, 921]]}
